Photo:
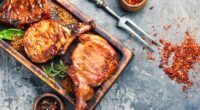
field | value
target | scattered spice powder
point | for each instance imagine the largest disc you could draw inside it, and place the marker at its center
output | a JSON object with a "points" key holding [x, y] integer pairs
{"points": [[184, 58], [167, 27], [182, 19], [133, 2]]}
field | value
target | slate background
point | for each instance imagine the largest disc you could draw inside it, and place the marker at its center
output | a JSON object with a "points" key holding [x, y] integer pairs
{"points": [[142, 86]]}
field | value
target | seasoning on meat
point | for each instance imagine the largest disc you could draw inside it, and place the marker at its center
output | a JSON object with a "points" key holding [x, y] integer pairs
{"points": [[17, 43], [93, 62], [44, 40], [133, 2], [47, 38], [68, 85], [21, 12], [64, 17], [184, 58]]}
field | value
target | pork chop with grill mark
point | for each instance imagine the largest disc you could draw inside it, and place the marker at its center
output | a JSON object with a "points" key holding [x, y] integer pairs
{"points": [[93, 62], [21, 12], [45, 39]]}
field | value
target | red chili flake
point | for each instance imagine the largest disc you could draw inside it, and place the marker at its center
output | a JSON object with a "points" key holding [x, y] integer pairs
{"points": [[133, 2], [183, 19], [178, 25], [167, 27], [150, 56], [179, 17], [189, 19], [149, 43], [155, 34], [184, 58]]}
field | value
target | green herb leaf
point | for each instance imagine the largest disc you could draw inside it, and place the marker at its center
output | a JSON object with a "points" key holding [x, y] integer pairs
{"points": [[8, 34], [60, 71]]}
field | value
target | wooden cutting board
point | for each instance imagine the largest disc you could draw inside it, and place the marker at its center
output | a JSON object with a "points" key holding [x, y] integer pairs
{"points": [[124, 56]]}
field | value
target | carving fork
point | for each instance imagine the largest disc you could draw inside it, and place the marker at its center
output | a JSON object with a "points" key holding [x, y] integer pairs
{"points": [[128, 25]]}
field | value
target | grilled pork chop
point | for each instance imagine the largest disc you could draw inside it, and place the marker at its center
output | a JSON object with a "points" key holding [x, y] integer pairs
{"points": [[47, 38], [94, 61], [21, 12]]}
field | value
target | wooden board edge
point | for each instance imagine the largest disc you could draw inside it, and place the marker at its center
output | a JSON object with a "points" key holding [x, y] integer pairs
{"points": [[35, 70]]}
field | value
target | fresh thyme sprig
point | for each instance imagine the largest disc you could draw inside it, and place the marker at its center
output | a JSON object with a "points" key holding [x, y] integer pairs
{"points": [[60, 71]]}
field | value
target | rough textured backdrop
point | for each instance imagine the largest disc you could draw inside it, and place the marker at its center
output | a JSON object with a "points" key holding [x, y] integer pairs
{"points": [[142, 86]]}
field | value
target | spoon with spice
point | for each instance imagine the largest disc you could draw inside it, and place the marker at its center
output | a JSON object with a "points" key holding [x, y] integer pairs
{"points": [[133, 5]]}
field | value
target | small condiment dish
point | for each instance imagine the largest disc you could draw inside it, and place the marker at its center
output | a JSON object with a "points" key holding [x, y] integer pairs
{"points": [[133, 8], [52, 98]]}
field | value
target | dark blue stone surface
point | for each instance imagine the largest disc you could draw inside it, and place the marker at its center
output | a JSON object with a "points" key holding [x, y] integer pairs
{"points": [[143, 85]]}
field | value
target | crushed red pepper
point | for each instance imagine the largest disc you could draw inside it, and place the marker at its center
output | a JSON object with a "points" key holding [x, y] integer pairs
{"points": [[167, 27], [150, 56], [133, 2], [184, 58], [155, 34]]}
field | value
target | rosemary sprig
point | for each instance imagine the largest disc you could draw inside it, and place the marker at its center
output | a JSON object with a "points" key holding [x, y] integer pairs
{"points": [[60, 71]]}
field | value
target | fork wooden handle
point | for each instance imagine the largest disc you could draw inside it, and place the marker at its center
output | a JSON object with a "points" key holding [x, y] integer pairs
{"points": [[100, 3]]}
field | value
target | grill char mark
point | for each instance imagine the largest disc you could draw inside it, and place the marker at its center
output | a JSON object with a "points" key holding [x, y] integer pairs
{"points": [[24, 12]]}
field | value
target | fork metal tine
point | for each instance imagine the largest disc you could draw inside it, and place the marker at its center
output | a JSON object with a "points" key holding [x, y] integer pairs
{"points": [[138, 28], [133, 33], [122, 23]]}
